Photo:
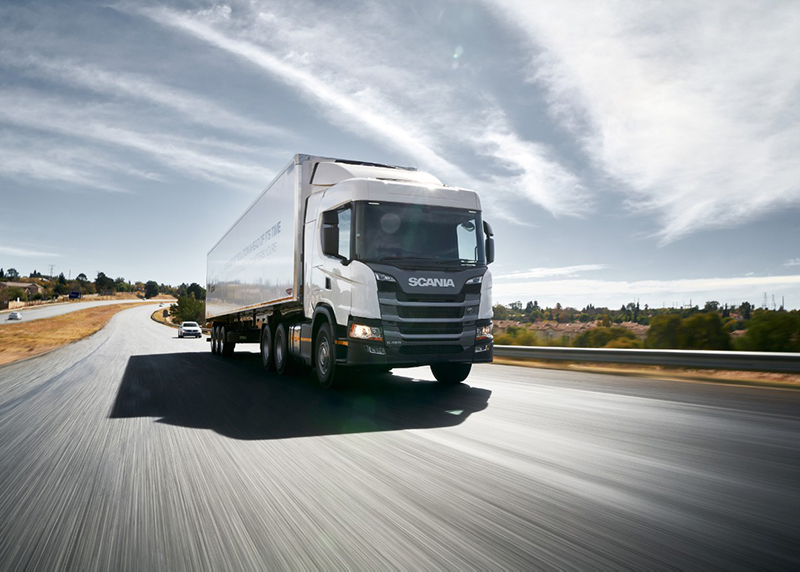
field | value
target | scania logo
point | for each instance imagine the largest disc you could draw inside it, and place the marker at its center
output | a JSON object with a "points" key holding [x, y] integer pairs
{"points": [[438, 282]]}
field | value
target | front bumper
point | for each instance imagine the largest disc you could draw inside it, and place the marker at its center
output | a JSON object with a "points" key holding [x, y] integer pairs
{"points": [[377, 353]]}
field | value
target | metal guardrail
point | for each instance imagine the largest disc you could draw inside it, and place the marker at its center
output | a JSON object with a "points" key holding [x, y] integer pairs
{"points": [[745, 361]]}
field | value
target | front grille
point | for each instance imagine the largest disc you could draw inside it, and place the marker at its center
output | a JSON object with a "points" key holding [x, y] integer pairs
{"points": [[430, 350], [429, 329], [422, 312], [414, 297]]}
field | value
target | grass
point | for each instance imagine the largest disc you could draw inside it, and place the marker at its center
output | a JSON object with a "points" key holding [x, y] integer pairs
{"points": [[28, 339]]}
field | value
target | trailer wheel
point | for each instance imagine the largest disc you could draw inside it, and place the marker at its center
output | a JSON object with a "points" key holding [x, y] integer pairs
{"points": [[266, 347], [450, 373], [214, 334], [283, 363], [227, 347], [329, 375]]}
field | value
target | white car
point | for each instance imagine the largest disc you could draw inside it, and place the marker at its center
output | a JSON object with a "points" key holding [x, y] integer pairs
{"points": [[15, 316], [190, 329]]}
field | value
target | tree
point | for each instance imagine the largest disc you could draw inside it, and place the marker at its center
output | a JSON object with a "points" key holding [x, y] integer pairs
{"points": [[12, 274], [500, 312], [745, 309], [600, 337], [197, 291], [2, 274], [81, 277], [103, 282], [188, 309], [14, 294], [703, 332], [711, 306], [663, 332], [151, 289], [773, 332]]}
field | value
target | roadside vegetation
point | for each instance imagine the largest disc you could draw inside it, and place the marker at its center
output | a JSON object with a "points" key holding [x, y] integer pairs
{"points": [[712, 327]]}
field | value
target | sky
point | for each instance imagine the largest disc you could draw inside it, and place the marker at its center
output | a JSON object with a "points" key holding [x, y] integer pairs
{"points": [[623, 151]]}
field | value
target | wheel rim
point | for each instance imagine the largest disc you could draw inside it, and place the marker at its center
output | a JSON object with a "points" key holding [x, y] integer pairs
{"points": [[324, 356]]}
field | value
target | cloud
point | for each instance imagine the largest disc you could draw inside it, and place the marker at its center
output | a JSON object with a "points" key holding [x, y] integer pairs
{"points": [[396, 97], [692, 108], [107, 124], [191, 107], [12, 251], [548, 272], [792, 262]]}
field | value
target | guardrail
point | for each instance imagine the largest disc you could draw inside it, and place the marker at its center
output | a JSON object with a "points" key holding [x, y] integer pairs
{"points": [[745, 361]]}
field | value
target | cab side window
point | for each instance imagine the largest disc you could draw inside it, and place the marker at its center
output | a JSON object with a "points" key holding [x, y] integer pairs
{"points": [[345, 219]]}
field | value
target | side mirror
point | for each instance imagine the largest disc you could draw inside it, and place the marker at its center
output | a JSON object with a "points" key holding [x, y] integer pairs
{"points": [[489, 250], [487, 229], [330, 240]]}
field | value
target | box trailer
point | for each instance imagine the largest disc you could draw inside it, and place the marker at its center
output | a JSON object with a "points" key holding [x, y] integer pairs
{"points": [[341, 264]]}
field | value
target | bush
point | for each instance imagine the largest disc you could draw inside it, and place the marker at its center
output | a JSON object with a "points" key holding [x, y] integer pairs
{"points": [[703, 332], [600, 337], [624, 343], [515, 336]]}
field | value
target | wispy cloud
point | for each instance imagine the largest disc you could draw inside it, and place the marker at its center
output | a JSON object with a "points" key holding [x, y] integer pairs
{"points": [[691, 107], [12, 251], [105, 124], [549, 272], [193, 108], [391, 98], [792, 262]]}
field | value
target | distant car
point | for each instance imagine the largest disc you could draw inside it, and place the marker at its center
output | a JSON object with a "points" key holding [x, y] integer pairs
{"points": [[190, 329], [15, 316]]}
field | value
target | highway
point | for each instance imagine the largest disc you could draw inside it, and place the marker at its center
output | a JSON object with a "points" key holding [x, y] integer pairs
{"points": [[50, 311], [134, 449]]}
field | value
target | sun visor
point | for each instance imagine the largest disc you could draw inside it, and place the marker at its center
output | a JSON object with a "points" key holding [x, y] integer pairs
{"points": [[329, 173]]}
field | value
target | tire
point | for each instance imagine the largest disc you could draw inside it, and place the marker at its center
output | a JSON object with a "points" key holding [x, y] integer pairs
{"points": [[283, 362], [451, 373], [214, 334], [266, 348], [329, 375], [180, 335], [227, 347]]}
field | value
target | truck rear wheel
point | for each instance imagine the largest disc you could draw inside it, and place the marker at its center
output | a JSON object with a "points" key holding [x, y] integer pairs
{"points": [[451, 373], [214, 338], [329, 375], [266, 347], [227, 347], [283, 363]]}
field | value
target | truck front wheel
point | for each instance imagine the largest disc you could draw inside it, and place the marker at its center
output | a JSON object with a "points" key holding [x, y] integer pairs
{"points": [[214, 339], [328, 374], [451, 373], [227, 347]]}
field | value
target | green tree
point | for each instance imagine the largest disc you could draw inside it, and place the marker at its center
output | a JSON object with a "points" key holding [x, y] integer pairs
{"points": [[81, 277], [703, 332], [14, 294], [197, 291], [188, 309], [500, 312], [12, 274], [772, 332], [745, 309], [151, 289], [663, 332], [103, 282]]}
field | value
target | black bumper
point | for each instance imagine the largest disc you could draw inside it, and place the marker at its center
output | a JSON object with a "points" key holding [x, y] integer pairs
{"points": [[377, 353]]}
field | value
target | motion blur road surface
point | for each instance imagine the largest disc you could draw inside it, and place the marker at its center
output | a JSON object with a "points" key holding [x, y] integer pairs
{"points": [[49, 311], [134, 449]]}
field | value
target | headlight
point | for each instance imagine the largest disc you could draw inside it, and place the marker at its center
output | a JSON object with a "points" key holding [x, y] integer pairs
{"points": [[362, 332], [384, 277], [476, 280], [483, 332]]}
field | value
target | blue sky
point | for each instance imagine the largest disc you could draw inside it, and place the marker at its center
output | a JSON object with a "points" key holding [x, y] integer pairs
{"points": [[622, 151]]}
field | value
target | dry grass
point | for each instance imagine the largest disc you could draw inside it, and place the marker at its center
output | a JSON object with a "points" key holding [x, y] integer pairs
{"points": [[158, 316], [27, 339], [755, 378]]}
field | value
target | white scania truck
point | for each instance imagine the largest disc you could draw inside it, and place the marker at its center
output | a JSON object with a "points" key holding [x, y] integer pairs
{"points": [[342, 264]]}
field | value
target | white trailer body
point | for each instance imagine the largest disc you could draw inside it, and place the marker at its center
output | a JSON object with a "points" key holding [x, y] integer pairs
{"points": [[344, 263]]}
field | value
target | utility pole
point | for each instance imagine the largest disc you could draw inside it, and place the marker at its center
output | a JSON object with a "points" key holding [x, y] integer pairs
{"points": [[51, 271]]}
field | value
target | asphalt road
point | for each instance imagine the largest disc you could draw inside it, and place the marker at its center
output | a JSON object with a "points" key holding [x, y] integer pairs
{"points": [[49, 311], [137, 450]]}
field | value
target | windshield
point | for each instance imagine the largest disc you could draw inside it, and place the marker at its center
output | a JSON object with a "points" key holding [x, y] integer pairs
{"points": [[190, 324], [439, 236]]}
